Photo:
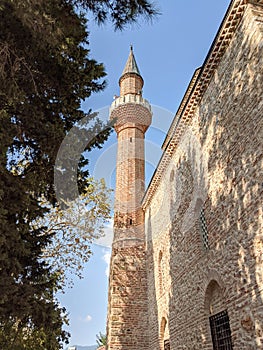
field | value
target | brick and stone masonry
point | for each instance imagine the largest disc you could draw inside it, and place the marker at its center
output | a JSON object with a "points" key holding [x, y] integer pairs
{"points": [[127, 323], [212, 161], [187, 257]]}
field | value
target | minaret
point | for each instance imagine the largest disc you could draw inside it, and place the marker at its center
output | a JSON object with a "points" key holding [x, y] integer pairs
{"points": [[127, 308]]}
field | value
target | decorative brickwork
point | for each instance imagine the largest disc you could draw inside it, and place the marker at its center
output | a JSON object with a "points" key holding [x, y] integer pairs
{"points": [[201, 272]]}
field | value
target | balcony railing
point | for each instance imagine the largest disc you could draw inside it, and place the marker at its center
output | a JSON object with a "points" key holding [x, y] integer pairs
{"points": [[130, 98]]}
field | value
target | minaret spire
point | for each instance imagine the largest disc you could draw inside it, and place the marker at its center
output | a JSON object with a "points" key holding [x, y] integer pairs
{"points": [[131, 81], [131, 65]]}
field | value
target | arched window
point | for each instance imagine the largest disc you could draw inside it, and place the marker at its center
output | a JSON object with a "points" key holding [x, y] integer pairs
{"points": [[218, 317]]}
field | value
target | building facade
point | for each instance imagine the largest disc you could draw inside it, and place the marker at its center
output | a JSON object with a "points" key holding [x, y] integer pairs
{"points": [[187, 259]]}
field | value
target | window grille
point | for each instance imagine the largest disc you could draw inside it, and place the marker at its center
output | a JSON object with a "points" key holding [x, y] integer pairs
{"points": [[167, 344], [203, 228], [221, 332]]}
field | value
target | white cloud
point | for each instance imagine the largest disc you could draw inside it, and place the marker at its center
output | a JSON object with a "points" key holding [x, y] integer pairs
{"points": [[88, 318], [106, 257], [106, 240]]}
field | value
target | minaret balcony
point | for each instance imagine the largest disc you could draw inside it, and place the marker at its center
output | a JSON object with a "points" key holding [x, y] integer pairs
{"points": [[130, 98]]}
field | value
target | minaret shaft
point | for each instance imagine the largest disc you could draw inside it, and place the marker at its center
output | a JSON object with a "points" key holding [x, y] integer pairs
{"points": [[130, 170], [127, 307]]}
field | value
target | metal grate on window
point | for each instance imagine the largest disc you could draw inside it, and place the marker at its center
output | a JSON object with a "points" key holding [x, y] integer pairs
{"points": [[221, 332], [167, 344], [203, 228]]}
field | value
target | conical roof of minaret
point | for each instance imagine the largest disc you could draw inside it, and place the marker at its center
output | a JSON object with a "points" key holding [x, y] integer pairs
{"points": [[131, 65]]}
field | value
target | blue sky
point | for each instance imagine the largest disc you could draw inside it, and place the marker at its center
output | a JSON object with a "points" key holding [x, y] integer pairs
{"points": [[167, 53]]}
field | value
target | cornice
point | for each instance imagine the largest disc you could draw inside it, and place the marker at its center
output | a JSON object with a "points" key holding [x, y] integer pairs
{"points": [[197, 88]]}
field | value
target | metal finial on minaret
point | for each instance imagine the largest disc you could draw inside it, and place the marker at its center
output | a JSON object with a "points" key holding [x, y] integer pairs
{"points": [[131, 47]]}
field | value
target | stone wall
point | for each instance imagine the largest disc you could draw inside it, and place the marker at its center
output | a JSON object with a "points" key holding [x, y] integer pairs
{"points": [[127, 326], [217, 167]]}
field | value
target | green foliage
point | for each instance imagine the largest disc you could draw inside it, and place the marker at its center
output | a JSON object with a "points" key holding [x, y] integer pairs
{"points": [[74, 228], [45, 74], [101, 339], [120, 12], [16, 334]]}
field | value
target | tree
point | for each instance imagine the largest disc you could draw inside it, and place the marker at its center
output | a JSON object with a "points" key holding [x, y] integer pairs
{"points": [[75, 228], [101, 340], [43, 79], [45, 73], [119, 12], [26, 336]]}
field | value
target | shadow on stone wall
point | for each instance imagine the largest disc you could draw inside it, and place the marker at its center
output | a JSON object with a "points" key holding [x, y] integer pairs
{"points": [[233, 209], [154, 342], [237, 150]]}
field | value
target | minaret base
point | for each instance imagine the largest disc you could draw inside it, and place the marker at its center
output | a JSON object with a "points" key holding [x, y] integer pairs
{"points": [[128, 311]]}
